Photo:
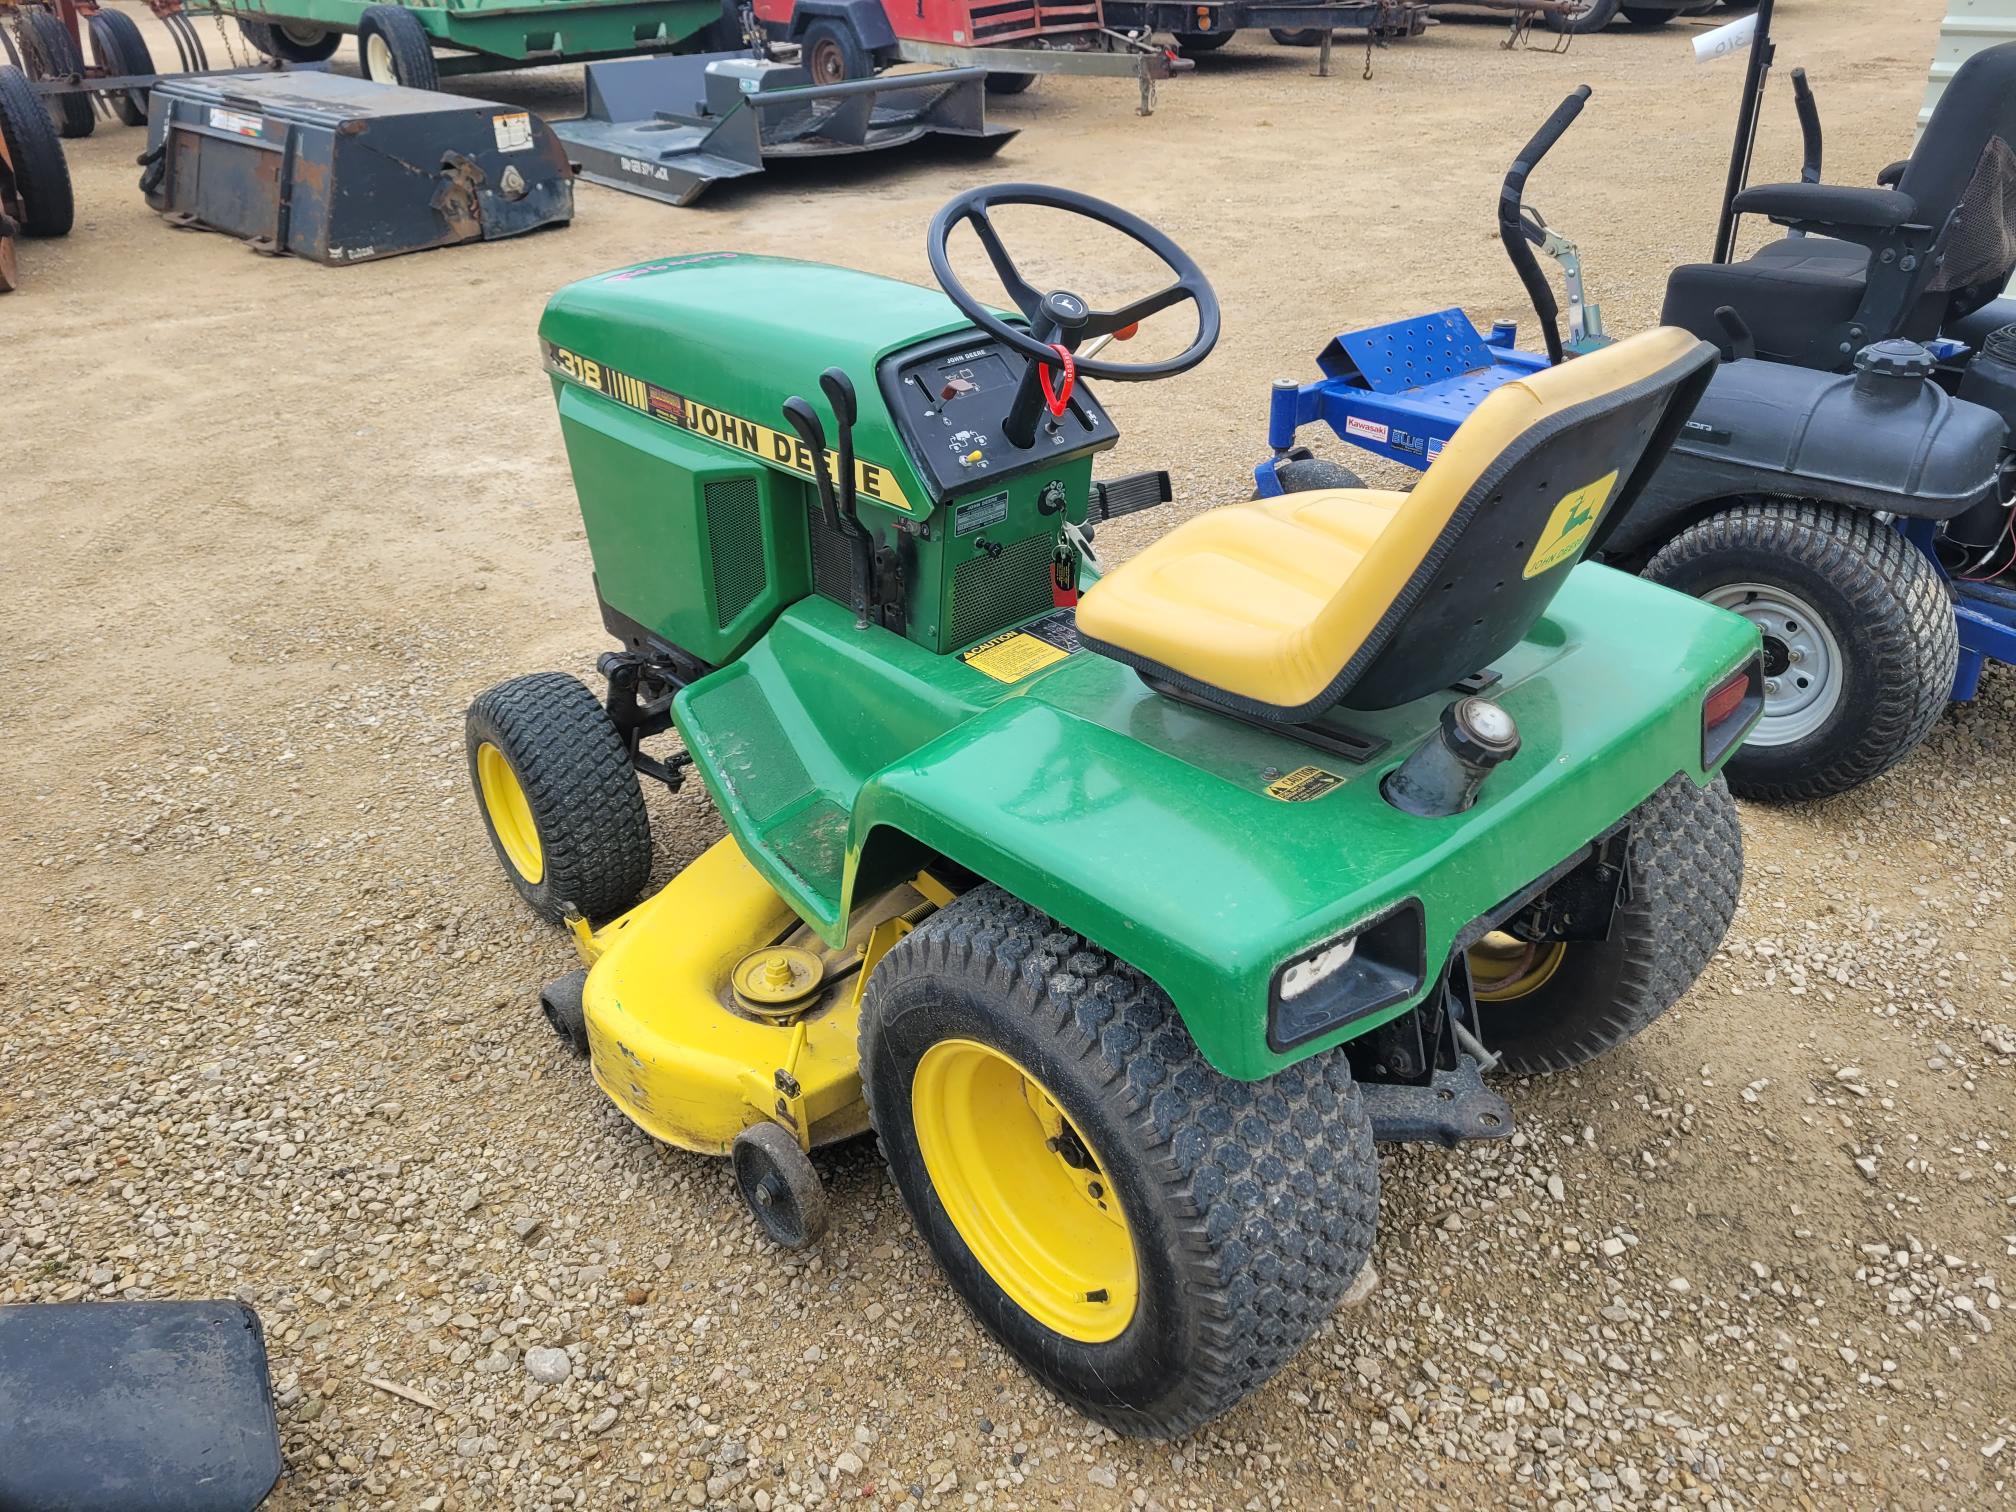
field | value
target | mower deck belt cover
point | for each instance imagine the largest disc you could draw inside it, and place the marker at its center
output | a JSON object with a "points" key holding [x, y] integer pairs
{"points": [[343, 170], [667, 128]]}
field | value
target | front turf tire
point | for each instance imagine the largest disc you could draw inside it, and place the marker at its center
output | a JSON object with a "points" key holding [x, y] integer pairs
{"points": [[1578, 999], [559, 797], [1884, 637], [1248, 1208]]}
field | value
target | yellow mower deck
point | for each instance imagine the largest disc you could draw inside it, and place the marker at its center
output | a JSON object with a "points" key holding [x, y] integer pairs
{"points": [[701, 1018]]}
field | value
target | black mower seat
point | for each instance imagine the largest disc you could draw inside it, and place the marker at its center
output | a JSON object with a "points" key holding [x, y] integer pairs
{"points": [[1946, 230], [1279, 608], [1789, 290]]}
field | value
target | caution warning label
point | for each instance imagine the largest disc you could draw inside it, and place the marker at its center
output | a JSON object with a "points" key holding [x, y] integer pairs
{"points": [[1011, 657], [1303, 784]]}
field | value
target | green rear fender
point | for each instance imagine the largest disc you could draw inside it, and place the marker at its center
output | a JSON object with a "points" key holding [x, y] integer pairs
{"points": [[1148, 827]]}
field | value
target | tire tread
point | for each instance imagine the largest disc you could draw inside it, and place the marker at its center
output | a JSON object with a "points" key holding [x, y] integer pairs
{"points": [[1273, 1185], [593, 827]]}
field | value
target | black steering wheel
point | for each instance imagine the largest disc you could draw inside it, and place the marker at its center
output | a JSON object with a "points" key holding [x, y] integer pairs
{"points": [[1060, 318]]}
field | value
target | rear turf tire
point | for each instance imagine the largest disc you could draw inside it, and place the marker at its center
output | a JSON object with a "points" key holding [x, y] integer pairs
{"points": [[1579, 999], [1248, 1207], [40, 173], [1884, 634], [394, 48], [1201, 42], [558, 796], [1646, 16], [1594, 16], [1308, 36]]}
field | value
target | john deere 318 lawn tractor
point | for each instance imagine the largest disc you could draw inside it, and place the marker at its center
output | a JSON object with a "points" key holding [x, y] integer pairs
{"points": [[1128, 923]]}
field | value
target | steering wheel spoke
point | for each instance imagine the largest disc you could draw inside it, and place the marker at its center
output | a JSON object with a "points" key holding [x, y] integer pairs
{"points": [[1027, 300], [1049, 315], [1105, 322]]}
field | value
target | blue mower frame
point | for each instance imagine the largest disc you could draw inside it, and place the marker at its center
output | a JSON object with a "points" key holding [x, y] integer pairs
{"points": [[1400, 390]]}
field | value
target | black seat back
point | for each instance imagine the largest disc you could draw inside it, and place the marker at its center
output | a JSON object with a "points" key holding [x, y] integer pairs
{"points": [[1966, 162], [1552, 494]]}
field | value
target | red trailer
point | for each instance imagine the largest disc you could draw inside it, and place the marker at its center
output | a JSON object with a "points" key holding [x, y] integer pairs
{"points": [[1015, 40]]}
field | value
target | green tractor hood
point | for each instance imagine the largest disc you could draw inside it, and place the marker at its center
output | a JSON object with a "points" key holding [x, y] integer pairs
{"points": [[706, 330]]}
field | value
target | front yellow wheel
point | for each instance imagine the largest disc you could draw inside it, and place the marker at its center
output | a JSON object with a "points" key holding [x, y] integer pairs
{"points": [[510, 813], [1025, 1189], [559, 796]]}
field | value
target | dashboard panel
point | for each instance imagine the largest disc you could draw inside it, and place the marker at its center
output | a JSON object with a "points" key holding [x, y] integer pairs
{"points": [[950, 397]]}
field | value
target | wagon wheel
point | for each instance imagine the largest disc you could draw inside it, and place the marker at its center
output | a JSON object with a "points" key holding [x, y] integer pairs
{"points": [[41, 178], [48, 53], [832, 54], [121, 50]]}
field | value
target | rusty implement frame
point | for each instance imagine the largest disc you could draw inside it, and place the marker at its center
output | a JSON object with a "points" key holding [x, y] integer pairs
{"points": [[668, 128], [1105, 54]]}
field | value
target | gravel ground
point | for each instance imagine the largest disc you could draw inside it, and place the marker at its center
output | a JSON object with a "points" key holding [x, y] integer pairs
{"points": [[272, 1027]]}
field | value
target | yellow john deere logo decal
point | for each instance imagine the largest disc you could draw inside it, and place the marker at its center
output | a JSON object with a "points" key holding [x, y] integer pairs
{"points": [[775, 447], [1569, 526]]}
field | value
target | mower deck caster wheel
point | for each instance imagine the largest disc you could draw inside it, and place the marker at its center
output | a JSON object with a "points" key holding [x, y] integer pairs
{"points": [[776, 1179], [562, 1004], [1302, 474]]}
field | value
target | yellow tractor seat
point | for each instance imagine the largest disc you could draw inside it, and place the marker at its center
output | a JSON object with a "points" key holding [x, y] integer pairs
{"points": [[1280, 608]]}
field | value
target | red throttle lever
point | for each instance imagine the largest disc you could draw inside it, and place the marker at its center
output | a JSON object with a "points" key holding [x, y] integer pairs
{"points": [[1058, 398]]}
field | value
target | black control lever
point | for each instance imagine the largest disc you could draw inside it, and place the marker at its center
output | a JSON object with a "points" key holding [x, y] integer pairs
{"points": [[839, 391], [1742, 343], [803, 419], [1809, 126]]}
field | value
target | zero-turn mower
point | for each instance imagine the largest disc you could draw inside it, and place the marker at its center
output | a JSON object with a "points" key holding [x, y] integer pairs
{"points": [[1847, 481], [1129, 921]]}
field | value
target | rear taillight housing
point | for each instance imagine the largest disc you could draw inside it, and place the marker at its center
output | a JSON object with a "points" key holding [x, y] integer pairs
{"points": [[1729, 710]]}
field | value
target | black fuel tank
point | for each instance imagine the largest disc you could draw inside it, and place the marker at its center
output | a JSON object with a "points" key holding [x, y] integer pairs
{"points": [[1881, 438]]}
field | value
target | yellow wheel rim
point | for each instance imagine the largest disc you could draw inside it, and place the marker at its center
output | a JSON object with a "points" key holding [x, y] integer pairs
{"points": [[1026, 1191], [510, 813], [1503, 967]]}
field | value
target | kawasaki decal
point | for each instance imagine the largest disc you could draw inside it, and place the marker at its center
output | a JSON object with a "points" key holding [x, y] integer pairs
{"points": [[775, 447]]}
